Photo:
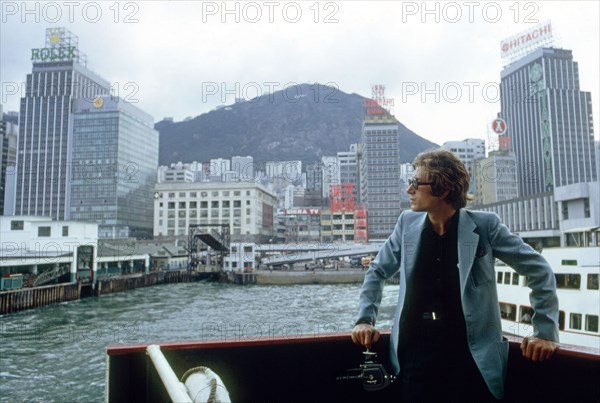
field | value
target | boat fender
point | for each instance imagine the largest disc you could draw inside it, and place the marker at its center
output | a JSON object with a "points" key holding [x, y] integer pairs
{"points": [[203, 385]]}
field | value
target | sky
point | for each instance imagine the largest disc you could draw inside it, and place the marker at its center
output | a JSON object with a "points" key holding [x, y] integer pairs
{"points": [[440, 62]]}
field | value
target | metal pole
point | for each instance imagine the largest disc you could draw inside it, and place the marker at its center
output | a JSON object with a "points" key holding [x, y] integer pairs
{"points": [[177, 391]]}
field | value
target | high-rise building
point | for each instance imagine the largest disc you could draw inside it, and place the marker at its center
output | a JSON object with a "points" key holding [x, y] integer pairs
{"points": [[349, 173], [495, 177], [314, 177], [468, 150], [380, 174], [549, 127], [331, 169], [44, 158], [8, 158], [115, 158], [549, 121]]}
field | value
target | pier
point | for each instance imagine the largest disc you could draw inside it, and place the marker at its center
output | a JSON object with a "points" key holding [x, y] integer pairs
{"points": [[36, 297]]}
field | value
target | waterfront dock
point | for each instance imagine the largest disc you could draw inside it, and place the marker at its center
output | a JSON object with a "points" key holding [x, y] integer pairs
{"points": [[36, 297], [347, 276]]}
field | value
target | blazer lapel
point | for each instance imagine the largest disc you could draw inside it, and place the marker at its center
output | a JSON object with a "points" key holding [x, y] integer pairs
{"points": [[411, 242], [467, 245]]}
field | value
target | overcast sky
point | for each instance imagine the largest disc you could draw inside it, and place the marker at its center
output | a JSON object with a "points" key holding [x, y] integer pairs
{"points": [[440, 62]]}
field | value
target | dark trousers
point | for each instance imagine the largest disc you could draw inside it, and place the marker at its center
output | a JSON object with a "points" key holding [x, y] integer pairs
{"points": [[435, 366]]}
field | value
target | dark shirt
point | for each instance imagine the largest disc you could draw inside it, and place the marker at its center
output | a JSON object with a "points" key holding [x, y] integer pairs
{"points": [[435, 286]]}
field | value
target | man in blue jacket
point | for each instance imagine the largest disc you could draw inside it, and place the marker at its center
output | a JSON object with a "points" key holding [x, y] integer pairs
{"points": [[446, 342]]}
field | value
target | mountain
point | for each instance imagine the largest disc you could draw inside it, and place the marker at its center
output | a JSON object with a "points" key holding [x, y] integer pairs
{"points": [[302, 122]]}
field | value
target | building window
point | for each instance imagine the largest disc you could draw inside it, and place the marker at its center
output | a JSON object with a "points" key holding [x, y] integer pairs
{"points": [[508, 311], [515, 279], [592, 281], [591, 323], [526, 314], [499, 278], [16, 225], [43, 231], [575, 321], [65, 230], [586, 208], [171, 205], [568, 281]]}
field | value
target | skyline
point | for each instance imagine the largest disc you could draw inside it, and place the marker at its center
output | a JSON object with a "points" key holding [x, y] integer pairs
{"points": [[196, 62]]}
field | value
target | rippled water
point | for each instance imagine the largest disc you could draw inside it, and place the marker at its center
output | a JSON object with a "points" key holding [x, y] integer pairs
{"points": [[57, 353]]}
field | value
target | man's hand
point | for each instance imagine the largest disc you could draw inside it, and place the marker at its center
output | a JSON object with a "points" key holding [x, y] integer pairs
{"points": [[365, 335], [535, 349]]}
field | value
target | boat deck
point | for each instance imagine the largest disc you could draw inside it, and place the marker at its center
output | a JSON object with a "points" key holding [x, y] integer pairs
{"points": [[304, 369]]}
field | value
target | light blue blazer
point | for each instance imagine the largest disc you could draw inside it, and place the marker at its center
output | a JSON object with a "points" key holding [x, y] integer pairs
{"points": [[481, 239]]}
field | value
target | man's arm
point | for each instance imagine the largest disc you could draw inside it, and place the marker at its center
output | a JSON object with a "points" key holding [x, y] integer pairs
{"points": [[511, 249], [384, 266]]}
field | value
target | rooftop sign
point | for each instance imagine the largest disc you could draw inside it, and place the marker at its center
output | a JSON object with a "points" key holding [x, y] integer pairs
{"points": [[54, 54], [524, 42]]}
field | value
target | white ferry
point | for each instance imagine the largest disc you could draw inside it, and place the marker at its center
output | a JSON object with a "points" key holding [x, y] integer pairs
{"points": [[576, 270]]}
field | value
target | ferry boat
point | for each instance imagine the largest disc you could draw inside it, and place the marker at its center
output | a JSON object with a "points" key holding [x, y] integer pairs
{"points": [[576, 270]]}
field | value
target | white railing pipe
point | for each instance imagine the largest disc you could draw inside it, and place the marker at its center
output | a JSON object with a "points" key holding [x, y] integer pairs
{"points": [[176, 390]]}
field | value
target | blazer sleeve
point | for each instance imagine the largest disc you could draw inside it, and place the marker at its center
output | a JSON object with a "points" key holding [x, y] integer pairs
{"points": [[511, 249], [384, 266]]}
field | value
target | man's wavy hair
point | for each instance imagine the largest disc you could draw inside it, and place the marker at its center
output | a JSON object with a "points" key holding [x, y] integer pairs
{"points": [[447, 172]]}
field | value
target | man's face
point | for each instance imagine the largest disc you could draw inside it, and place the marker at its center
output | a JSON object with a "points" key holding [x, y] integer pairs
{"points": [[421, 198]]}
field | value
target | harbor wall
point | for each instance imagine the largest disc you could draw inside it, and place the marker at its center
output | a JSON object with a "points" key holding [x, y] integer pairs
{"points": [[35, 297], [309, 277]]}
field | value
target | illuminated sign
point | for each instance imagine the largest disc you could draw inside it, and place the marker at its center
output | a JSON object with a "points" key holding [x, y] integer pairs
{"points": [[53, 54], [520, 44]]}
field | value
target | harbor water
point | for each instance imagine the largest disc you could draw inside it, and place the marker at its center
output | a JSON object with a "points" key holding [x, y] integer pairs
{"points": [[57, 353]]}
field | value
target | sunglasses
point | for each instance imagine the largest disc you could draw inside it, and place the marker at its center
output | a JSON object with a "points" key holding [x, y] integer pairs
{"points": [[414, 183]]}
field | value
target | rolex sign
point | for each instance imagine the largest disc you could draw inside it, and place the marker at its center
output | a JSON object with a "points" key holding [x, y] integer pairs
{"points": [[53, 54]]}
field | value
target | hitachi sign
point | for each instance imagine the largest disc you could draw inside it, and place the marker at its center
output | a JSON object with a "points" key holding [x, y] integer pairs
{"points": [[53, 54]]}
